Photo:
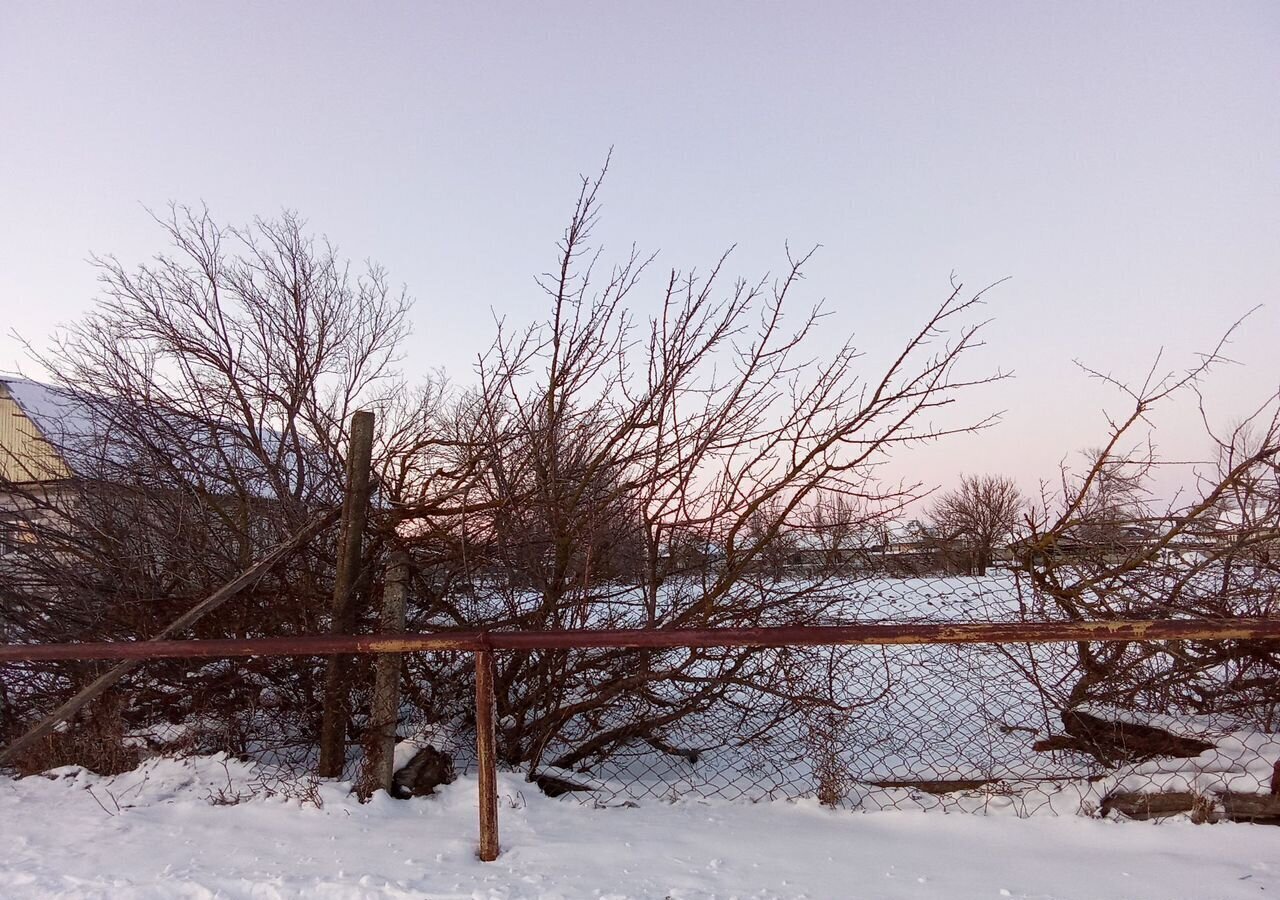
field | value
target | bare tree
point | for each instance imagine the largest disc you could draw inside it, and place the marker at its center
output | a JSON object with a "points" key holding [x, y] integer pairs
{"points": [[652, 472], [842, 535], [1102, 550], [978, 517], [199, 415]]}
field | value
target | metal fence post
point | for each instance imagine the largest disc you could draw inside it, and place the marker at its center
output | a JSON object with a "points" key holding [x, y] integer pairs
{"points": [[486, 755]]}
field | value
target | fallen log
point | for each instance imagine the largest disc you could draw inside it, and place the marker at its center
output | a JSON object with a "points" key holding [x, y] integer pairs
{"points": [[1137, 805], [1113, 741], [1262, 809], [937, 787]]}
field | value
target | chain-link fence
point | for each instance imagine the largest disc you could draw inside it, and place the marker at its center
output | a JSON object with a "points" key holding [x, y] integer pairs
{"points": [[961, 728], [995, 719], [1139, 727]]}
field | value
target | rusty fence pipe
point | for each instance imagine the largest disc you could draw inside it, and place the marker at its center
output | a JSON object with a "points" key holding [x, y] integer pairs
{"points": [[1267, 629], [311, 645], [884, 634]]}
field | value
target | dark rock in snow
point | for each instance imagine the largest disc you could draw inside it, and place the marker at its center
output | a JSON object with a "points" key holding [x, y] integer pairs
{"points": [[553, 786], [420, 777]]}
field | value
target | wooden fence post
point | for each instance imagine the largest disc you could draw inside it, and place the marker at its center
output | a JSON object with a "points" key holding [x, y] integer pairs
{"points": [[355, 508], [385, 712], [486, 756]]}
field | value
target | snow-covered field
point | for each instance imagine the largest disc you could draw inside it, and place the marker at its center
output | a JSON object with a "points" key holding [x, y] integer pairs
{"points": [[153, 833]]}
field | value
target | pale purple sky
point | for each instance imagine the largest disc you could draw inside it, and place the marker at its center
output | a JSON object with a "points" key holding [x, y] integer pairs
{"points": [[1121, 162]]}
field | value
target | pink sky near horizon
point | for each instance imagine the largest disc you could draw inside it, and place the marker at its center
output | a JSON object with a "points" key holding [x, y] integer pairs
{"points": [[1120, 164]]}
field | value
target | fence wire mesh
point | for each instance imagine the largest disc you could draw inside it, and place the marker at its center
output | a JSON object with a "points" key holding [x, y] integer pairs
{"points": [[1131, 729], [961, 728]]}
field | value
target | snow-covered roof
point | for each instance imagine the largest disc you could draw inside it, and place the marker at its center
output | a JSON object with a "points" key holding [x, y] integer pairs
{"points": [[863, 536], [88, 435], [63, 420], [908, 532]]}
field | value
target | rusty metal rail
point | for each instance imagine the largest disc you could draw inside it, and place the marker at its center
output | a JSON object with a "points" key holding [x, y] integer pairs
{"points": [[483, 643], [816, 635]]}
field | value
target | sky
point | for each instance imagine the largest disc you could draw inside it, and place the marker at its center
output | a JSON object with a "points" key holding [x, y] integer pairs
{"points": [[1119, 164]]}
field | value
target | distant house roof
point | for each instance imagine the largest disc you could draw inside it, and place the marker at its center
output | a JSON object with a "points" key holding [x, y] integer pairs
{"points": [[77, 430], [39, 423], [911, 533], [78, 435], [56, 413]]}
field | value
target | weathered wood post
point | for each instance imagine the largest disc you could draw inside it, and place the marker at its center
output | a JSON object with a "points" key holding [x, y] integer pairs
{"points": [[355, 508], [486, 756], [380, 762]]}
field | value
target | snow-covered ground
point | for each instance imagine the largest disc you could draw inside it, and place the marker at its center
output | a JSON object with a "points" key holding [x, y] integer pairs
{"points": [[153, 833], [168, 829]]}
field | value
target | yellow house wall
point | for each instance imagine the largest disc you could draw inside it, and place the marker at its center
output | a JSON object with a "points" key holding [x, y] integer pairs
{"points": [[24, 454]]}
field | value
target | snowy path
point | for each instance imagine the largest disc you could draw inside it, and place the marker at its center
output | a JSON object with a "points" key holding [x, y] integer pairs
{"points": [[56, 841]]}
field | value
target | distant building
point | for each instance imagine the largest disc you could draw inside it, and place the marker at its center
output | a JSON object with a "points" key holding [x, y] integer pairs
{"points": [[54, 445], [35, 420], [34, 424]]}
